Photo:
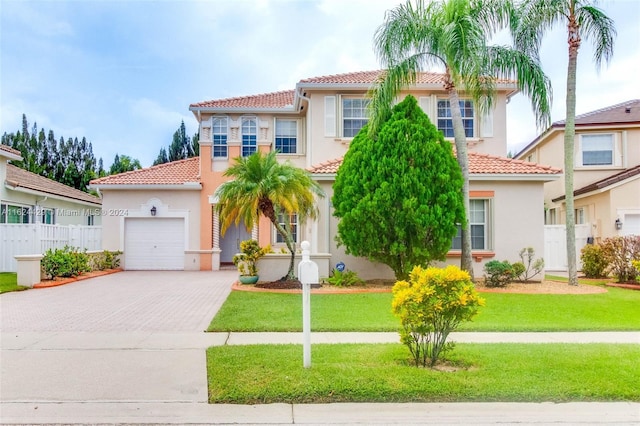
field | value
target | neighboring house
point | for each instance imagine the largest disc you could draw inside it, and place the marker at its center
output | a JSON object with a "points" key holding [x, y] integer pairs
{"points": [[37, 213], [26, 197], [169, 220], [606, 170]]}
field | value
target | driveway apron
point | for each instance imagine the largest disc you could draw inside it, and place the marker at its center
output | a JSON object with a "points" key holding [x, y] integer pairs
{"points": [[110, 338]]}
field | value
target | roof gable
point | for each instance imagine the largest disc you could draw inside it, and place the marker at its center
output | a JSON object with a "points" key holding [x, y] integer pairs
{"points": [[20, 178], [7, 151], [179, 172], [604, 183]]}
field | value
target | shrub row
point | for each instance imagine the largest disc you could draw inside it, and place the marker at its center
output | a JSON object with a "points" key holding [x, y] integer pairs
{"points": [[614, 256], [69, 262]]}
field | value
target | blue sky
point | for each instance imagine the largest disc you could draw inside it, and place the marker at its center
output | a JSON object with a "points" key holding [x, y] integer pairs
{"points": [[123, 73]]}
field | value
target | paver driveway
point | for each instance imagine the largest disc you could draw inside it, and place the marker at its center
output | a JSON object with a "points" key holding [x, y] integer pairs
{"points": [[167, 301]]}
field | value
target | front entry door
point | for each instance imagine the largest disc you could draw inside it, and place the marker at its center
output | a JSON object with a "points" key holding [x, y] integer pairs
{"points": [[230, 242]]}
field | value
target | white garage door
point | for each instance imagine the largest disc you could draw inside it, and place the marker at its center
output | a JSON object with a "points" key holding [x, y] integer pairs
{"points": [[154, 244], [631, 224]]}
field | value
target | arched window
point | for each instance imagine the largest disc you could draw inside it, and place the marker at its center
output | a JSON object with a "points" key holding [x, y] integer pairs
{"points": [[249, 136]]}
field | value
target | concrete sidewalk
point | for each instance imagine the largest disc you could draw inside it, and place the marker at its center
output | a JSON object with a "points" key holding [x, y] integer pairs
{"points": [[153, 377]]}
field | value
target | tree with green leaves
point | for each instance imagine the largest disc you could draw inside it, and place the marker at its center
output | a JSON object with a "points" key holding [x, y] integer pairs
{"points": [[582, 20], [454, 35], [262, 185], [124, 163], [399, 196], [181, 147]]}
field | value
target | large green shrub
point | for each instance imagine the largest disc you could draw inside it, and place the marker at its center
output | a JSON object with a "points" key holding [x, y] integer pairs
{"points": [[430, 305], [344, 278], [619, 253], [594, 262], [399, 197], [499, 274], [65, 262]]}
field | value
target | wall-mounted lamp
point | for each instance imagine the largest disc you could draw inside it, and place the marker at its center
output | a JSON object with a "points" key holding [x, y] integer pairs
{"points": [[153, 211], [618, 224]]}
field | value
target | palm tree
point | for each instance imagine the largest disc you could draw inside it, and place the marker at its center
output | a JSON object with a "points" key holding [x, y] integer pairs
{"points": [[261, 185], [454, 34], [582, 19]]}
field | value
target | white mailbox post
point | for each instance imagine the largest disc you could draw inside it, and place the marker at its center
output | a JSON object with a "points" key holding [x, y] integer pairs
{"points": [[308, 274]]}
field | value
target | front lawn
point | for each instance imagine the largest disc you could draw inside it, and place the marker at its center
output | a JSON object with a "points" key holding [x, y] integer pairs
{"points": [[381, 373], [615, 310], [9, 282]]}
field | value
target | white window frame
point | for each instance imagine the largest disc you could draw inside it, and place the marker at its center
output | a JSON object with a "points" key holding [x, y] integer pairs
{"points": [[615, 150], [248, 147], [293, 223], [42, 211], [26, 211], [343, 117], [580, 216], [440, 119], [218, 144], [296, 147], [487, 231]]}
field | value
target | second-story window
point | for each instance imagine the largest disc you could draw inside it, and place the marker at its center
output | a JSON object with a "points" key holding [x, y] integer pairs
{"points": [[354, 116], [597, 149], [286, 140], [219, 130], [445, 121], [249, 136]]}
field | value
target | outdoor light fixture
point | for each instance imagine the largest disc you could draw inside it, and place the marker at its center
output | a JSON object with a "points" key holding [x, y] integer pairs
{"points": [[618, 224], [153, 211]]}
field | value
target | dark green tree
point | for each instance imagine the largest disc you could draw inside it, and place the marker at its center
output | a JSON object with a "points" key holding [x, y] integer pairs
{"points": [[180, 147], [161, 158], [124, 163], [399, 198]]}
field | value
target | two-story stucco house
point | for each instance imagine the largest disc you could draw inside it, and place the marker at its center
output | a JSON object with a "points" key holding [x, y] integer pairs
{"points": [[606, 170], [168, 219]]}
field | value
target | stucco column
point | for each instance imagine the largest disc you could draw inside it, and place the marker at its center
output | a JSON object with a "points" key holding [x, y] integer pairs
{"points": [[254, 232], [215, 254]]}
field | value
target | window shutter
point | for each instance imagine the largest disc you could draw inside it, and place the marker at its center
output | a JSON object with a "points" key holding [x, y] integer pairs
{"points": [[486, 125], [330, 116], [425, 104]]}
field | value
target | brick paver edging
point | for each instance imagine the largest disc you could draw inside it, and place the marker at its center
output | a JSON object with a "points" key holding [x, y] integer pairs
{"points": [[62, 281]]}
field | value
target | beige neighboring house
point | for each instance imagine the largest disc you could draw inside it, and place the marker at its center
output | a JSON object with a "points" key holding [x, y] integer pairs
{"points": [[34, 209], [169, 221], [606, 170]]}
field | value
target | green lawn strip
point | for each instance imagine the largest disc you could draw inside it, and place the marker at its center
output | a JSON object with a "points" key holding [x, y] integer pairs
{"points": [[382, 373], [9, 282], [615, 310]]}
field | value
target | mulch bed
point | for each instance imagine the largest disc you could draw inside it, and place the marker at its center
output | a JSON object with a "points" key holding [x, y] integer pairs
{"points": [[61, 281]]}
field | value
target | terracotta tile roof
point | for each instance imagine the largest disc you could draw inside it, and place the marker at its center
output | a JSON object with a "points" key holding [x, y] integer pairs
{"points": [[173, 173], [264, 100], [479, 164], [603, 183], [10, 150], [625, 112], [20, 178], [368, 77], [286, 98]]}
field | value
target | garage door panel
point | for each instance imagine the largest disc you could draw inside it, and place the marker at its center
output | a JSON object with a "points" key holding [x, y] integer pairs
{"points": [[154, 244], [631, 224]]}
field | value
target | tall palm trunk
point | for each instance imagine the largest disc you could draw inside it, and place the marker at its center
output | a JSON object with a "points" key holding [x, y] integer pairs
{"points": [[268, 209], [569, 146], [461, 154]]}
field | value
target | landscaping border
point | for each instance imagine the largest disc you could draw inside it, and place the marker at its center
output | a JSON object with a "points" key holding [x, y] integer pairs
{"points": [[61, 281]]}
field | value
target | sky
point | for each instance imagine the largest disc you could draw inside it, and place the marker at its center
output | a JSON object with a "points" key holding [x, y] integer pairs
{"points": [[123, 73]]}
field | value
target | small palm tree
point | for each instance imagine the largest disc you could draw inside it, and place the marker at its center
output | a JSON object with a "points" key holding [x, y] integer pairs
{"points": [[582, 19], [454, 35], [261, 185]]}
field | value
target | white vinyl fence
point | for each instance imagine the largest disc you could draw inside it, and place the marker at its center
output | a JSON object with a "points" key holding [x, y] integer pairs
{"points": [[36, 238], [555, 246]]}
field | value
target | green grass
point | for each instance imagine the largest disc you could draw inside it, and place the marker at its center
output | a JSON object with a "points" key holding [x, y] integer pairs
{"points": [[618, 309], [382, 373], [9, 282]]}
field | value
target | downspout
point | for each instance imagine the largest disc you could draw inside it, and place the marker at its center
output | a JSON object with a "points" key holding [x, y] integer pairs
{"points": [[307, 128]]}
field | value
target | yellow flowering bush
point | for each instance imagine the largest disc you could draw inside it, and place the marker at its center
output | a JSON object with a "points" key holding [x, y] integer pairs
{"points": [[430, 305]]}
